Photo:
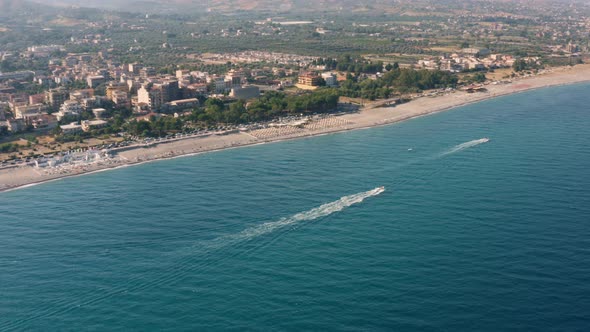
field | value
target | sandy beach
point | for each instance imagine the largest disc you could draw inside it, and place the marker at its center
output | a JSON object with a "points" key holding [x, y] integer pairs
{"points": [[369, 116]]}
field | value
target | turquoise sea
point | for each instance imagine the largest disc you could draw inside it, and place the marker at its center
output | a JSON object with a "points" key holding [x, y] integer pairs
{"points": [[294, 236]]}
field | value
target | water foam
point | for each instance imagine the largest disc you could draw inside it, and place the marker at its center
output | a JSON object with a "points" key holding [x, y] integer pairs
{"points": [[465, 145], [184, 266], [315, 213]]}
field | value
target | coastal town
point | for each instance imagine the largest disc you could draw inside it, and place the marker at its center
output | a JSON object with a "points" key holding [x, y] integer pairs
{"points": [[117, 151], [87, 93]]}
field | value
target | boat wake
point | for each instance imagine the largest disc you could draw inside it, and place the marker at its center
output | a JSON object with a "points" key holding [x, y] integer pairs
{"points": [[194, 259], [313, 214], [464, 146]]}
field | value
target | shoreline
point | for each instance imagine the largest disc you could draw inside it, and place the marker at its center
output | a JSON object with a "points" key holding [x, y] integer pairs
{"points": [[366, 118]]}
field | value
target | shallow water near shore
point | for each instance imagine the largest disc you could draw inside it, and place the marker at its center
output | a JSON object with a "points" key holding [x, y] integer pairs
{"points": [[468, 234]]}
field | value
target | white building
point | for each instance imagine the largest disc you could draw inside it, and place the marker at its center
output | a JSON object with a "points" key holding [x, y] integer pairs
{"points": [[46, 48], [23, 110], [220, 85], [93, 124], [71, 128], [98, 112], [69, 107], [331, 79]]}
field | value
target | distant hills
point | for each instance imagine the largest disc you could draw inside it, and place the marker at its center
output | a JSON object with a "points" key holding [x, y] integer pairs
{"points": [[11, 8], [8, 6], [292, 6]]}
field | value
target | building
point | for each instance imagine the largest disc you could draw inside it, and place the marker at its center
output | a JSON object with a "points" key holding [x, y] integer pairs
{"points": [[92, 102], [7, 90], [134, 68], [571, 48], [70, 61], [17, 75], [55, 98], [246, 92], [22, 111], [147, 72], [331, 79], [194, 90], [80, 95], [46, 49], [71, 128], [477, 52], [157, 94], [41, 121], [15, 125], [115, 86], [62, 79], [120, 98], [143, 95], [37, 99], [150, 96], [170, 90], [17, 99], [89, 125], [309, 80], [180, 74], [94, 81], [133, 85], [221, 85], [475, 65], [69, 107], [84, 57], [99, 112], [235, 79], [180, 105], [6, 56]]}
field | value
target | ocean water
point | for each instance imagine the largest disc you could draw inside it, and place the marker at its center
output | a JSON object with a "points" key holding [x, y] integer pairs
{"points": [[297, 236]]}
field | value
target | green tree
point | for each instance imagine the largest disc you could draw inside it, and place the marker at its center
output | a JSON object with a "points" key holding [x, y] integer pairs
{"points": [[57, 131]]}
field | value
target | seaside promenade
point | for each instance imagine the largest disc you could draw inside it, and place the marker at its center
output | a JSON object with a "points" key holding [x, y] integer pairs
{"points": [[368, 117]]}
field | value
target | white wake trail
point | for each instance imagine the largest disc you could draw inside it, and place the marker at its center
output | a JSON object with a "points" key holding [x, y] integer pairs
{"points": [[465, 145], [315, 213], [183, 267]]}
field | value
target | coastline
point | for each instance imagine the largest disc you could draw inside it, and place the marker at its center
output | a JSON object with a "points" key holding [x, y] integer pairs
{"points": [[368, 117]]}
